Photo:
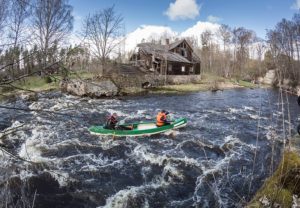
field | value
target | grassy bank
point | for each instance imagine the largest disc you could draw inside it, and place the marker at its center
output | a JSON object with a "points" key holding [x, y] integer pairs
{"points": [[38, 84], [34, 83], [208, 82], [282, 185]]}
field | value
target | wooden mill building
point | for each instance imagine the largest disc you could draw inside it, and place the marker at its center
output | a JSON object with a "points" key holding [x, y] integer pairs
{"points": [[177, 58]]}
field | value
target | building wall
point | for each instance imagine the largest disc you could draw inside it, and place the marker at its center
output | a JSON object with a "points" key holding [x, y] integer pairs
{"points": [[178, 70], [184, 47], [183, 79]]}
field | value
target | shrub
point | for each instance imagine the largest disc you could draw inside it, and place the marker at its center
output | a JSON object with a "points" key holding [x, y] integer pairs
{"points": [[48, 79]]}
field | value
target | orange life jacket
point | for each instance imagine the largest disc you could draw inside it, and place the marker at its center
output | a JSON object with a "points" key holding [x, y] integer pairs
{"points": [[160, 119]]}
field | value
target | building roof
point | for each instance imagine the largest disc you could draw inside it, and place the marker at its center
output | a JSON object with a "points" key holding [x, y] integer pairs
{"points": [[178, 42], [163, 51]]}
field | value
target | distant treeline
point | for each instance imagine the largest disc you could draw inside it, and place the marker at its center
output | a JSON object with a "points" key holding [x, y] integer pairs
{"points": [[284, 45]]}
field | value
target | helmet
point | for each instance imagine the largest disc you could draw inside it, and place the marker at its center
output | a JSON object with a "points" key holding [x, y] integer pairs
{"points": [[164, 111]]}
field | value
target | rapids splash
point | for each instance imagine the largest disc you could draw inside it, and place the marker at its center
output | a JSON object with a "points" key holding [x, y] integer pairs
{"points": [[232, 142]]}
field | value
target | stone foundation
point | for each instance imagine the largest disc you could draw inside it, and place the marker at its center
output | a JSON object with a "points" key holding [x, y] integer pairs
{"points": [[123, 81]]}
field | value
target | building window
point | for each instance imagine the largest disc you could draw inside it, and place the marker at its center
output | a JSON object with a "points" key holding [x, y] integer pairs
{"points": [[184, 53], [191, 69], [183, 69]]}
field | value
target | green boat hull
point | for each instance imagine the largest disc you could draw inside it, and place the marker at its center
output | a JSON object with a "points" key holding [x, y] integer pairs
{"points": [[139, 129]]}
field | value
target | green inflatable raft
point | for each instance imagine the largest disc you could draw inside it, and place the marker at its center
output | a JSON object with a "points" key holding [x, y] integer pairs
{"points": [[139, 129]]}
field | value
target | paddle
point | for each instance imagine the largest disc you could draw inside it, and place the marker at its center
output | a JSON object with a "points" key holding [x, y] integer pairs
{"points": [[298, 127]]}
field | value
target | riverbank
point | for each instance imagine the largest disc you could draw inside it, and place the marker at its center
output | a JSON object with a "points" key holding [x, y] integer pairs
{"points": [[282, 189], [208, 82]]}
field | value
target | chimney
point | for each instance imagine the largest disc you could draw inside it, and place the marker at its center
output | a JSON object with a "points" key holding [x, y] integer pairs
{"points": [[167, 41]]}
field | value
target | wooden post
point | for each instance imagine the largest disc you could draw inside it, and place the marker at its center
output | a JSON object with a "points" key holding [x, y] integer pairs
{"points": [[166, 71]]}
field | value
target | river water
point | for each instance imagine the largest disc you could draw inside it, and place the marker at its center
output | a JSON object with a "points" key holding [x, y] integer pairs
{"points": [[232, 142]]}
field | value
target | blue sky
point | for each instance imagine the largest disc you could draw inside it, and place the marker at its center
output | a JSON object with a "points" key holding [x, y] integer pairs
{"points": [[257, 15]]}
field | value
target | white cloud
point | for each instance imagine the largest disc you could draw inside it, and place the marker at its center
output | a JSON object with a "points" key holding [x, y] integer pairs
{"points": [[211, 18], [155, 32], [183, 9], [200, 27], [147, 33], [296, 5]]}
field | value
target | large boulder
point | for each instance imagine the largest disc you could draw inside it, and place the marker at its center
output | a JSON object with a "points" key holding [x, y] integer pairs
{"points": [[89, 88], [298, 90], [270, 77], [32, 96]]}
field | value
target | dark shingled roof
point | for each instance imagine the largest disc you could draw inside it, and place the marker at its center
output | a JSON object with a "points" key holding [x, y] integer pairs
{"points": [[163, 52]]}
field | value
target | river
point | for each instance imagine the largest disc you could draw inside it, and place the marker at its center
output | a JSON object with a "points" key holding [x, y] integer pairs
{"points": [[232, 143]]}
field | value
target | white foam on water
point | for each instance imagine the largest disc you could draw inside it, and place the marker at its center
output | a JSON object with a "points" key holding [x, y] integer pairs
{"points": [[210, 111], [33, 146], [107, 142], [172, 132], [180, 203], [214, 169], [141, 153], [24, 174], [201, 144], [272, 134], [61, 177], [202, 116], [95, 168], [232, 117], [230, 139], [170, 169], [73, 142], [255, 117], [119, 113], [140, 112], [36, 106], [18, 129], [234, 110], [120, 199], [59, 106], [15, 125], [249, 108]]}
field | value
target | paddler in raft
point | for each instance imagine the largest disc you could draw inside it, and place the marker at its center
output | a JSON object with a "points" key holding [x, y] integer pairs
{"points": [[161, 118], [112, 121]]}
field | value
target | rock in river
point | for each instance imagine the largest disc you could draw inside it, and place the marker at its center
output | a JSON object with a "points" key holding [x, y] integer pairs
{"points": [[89, 88]]}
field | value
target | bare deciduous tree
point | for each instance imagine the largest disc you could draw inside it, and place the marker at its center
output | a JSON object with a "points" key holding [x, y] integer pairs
{"points": [[3, 15], [52, 21], [206, 41], [19, 12], [103, 29], [260, 49], [242, 38], [284, 42], [225, 35]]}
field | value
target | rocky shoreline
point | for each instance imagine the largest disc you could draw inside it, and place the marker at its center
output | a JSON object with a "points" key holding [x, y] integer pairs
{"points": [[286, 84]]}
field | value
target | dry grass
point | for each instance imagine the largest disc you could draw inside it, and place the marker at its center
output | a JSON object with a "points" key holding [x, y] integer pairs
{"points": [[283, 184]]}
